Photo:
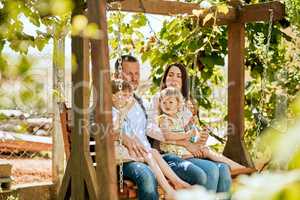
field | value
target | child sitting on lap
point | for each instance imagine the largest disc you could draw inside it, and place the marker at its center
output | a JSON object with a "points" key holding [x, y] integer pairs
{"points": [[170, 104], [123, 102]]}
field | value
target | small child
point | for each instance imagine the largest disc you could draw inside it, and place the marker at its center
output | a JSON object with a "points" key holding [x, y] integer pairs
{"points": [[123, 102], [170, 104]]}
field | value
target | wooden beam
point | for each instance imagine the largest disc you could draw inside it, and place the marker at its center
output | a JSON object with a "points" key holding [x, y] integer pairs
{"points": [[156, 7], [247, 13], [105, 155], [261, 12], [235, 148]]}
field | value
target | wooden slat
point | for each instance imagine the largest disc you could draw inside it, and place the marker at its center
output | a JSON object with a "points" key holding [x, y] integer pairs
{"points": [[234, 147], [10, 141], [13, 145], [106, 166]]}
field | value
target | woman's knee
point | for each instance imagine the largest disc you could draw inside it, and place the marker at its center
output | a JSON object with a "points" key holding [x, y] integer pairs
{"points": [[192, 173]]}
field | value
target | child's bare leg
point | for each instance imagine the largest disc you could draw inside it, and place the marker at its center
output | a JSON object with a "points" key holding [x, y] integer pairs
{"points": [[168, 172], [220, 158], [161, 179]]}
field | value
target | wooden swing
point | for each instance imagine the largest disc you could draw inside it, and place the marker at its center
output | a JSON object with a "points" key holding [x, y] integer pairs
{"points": [[84, 181]]}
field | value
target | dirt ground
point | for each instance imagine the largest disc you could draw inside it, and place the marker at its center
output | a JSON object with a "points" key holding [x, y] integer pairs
{"points": [[26, 170]]}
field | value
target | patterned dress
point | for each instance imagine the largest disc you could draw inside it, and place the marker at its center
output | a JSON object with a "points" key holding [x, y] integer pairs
{"points": [[174, 125]]}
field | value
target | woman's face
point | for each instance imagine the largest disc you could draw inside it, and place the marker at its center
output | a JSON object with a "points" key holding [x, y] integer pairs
{"points": [[174, 78]]}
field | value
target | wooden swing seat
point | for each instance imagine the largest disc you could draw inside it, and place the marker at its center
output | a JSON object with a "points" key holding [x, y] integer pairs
{"points": [[130, 189]]}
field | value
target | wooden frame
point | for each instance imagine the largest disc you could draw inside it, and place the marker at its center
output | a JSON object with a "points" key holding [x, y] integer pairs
{"points": [[79, 170]]}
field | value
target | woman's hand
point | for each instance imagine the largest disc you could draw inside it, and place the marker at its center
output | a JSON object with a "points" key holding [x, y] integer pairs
{"points": [[202, 153]]}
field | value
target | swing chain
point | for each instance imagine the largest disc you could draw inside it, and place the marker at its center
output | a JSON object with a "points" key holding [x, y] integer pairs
{"points": [[120, 87], [264, 74]]}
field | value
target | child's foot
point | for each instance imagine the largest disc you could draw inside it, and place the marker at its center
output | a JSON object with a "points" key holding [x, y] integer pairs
{"points": [[242, 170], [170, 195], [236, 166], [180, 184]]}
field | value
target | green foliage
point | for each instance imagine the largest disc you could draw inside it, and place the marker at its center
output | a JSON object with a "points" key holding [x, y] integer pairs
{"points": [[203, 50], [52, 20], [132, 38], [293, 11]]}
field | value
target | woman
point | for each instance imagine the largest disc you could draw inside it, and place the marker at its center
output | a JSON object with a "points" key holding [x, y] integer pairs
{"points": [[217, 175]]}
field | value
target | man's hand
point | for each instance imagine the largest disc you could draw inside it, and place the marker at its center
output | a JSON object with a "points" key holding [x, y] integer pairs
{"points": [[134, 146]]}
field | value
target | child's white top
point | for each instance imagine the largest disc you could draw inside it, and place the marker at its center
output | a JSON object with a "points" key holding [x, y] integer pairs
{"points": [[136, 124]]}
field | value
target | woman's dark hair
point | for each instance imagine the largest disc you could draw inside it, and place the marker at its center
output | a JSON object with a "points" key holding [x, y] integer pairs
{"points": [[184, 78]]}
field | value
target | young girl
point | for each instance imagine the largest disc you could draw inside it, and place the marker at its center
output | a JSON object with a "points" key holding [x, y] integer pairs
{"points": [[123, 102], [170, 105]]}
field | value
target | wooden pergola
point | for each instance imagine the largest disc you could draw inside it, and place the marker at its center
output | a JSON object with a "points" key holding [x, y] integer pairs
{"points": [[84, 181]]}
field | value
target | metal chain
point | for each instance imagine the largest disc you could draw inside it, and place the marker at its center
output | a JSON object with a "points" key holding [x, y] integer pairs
{"points": [[264, 74], [120, 87]]}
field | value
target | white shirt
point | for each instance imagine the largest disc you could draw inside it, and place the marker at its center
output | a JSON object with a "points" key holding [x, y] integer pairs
{"points": [[138, 124]]}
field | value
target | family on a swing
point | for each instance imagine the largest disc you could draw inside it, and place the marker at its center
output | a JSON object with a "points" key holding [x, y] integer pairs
{"points": [[181, 156]]}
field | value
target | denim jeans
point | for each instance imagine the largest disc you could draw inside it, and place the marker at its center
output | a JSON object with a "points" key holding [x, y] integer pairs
{"points": [[211, 175], [143, 177], [218, 174]]}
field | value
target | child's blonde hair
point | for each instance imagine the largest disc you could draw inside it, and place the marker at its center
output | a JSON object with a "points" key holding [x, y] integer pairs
{"points": [[168, 92]]}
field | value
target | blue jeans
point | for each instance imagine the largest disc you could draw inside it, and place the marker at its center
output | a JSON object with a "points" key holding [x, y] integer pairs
{"points": [[218, 174], [213, 176], [143, 177]]}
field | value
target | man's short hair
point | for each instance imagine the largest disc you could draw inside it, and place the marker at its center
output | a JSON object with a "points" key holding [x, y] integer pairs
{"points": [[127, 58]]}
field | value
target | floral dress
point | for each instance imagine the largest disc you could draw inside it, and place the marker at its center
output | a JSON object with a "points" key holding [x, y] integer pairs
{"points": [[174, 125]]}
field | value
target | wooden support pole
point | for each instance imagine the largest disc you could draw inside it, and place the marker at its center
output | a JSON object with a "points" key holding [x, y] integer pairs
{"points": [[77, 179], [105, 155], [58, 62], [79, 182], [235, 148]]}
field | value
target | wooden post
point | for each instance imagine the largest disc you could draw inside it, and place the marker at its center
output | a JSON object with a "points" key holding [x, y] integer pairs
{"points": [[105, 155], [58, 164], [235, 148], [79, 182]]}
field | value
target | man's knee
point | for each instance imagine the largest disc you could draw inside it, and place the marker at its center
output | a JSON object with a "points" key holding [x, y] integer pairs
{"points": [[148, 187]]}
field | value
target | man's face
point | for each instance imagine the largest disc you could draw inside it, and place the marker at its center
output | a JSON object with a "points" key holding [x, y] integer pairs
{"points": [[131, 73]]}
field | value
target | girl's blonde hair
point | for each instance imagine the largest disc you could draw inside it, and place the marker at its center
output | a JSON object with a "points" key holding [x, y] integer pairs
{"points": [[168, 92]]}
